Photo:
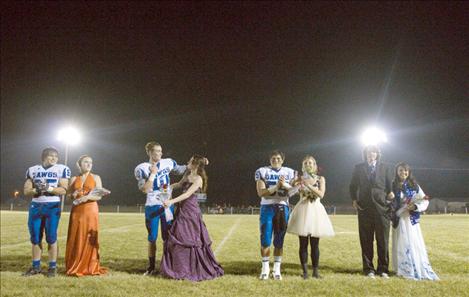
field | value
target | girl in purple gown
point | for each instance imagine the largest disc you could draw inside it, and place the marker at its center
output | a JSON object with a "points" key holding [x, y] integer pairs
{"points": [[187, 251]]}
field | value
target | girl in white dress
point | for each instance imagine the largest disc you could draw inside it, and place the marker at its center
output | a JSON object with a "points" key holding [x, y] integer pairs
{"points": [[409, 255], [309, 219]]}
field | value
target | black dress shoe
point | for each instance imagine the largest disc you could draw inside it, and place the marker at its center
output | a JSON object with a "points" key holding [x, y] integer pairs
{"points": [[150, 272]]}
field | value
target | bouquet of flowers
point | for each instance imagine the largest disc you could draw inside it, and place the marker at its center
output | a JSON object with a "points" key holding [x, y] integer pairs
{"points": [[411, 196], [305, 182], [165, 192]]}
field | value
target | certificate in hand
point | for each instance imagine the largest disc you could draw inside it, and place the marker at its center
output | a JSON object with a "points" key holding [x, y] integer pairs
{"points": [[168, 214], [99, 192]]}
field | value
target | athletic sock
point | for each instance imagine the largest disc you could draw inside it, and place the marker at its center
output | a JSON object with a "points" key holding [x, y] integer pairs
{"points": [[265, 264], [36, 263], [52, 264], [277, 263]]}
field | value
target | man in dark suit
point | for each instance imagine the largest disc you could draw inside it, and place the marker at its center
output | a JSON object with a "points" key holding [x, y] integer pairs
{"points": [[369, 190]]}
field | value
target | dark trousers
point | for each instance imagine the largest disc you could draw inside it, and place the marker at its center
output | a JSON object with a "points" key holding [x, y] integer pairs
{"points": [[373, 225]]}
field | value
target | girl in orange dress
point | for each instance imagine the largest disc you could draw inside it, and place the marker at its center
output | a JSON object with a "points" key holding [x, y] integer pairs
{"points": [[81, 255]]}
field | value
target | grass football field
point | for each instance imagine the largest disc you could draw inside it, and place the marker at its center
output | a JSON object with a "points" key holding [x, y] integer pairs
{"points": [[123, 249]]}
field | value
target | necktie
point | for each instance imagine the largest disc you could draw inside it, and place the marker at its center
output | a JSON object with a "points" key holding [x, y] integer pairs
{"points": [[372, 171]]}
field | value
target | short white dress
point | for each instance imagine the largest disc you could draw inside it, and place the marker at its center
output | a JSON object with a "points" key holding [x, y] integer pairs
{"points": [[309, 217]]}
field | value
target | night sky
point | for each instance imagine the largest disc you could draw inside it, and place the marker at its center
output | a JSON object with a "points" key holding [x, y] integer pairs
{"points": [[234, 81]]}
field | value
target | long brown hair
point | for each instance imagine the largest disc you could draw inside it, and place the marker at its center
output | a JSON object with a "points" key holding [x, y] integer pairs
{"points": [[199, 161], [397, 184]]}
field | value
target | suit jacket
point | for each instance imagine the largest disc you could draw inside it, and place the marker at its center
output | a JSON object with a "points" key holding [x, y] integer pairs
{"points": [[371, 191]]}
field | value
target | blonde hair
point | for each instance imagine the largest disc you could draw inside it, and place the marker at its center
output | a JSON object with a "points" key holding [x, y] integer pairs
{"points": [[150, 145], [307, 157], [80, 160]]}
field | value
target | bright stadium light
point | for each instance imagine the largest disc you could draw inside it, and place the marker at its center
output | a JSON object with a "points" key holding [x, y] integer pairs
{"points": [[69, 135], [373, 136]]}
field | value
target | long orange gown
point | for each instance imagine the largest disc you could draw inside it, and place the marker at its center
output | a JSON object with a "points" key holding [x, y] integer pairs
{"points": [[81, 255]]}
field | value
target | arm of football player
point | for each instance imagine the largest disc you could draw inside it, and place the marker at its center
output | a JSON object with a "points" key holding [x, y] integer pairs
{"points": [[28, 188], [283, 184], [179, 169], [296, 181], [262, 191], [71, 195], [61, 189], [148, 185], [194, 187]]}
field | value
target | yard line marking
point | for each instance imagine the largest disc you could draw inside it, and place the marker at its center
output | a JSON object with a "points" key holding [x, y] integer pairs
{"points": [[227, 236], [110, 230]]}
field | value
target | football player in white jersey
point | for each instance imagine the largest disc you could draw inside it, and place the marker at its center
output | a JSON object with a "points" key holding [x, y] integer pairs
{"points": [[45, 183], [153, 180], [272, 184]]}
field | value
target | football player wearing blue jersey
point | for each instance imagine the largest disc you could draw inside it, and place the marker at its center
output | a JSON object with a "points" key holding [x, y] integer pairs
{"points": [[153, 180], [272, 184], [45, 183]]}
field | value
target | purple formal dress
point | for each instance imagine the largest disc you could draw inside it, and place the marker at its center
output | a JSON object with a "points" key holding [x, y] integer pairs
{"points": [[187, 251]]}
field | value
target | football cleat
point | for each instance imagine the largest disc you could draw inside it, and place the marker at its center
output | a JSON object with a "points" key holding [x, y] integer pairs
{"points": [[276, 275], [52, 272], [264, 275], [32, 271]]}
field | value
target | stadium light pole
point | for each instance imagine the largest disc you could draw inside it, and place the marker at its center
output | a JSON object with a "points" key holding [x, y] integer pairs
{"points": [[69, 136]]}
